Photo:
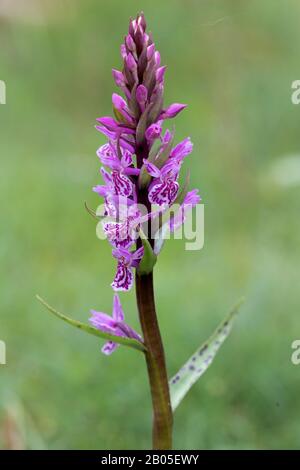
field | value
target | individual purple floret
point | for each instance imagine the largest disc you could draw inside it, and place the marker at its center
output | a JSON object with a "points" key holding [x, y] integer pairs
{"points": [[127, 260], [113, 325]]}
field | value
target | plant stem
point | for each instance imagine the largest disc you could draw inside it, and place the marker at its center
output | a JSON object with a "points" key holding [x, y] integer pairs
{"points": [[155, 359], [155, 356]]}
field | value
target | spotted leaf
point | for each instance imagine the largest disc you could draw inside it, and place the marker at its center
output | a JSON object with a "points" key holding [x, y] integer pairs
{"points": [[199, 362]]}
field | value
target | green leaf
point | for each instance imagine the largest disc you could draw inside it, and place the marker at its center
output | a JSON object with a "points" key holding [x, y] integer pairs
{"points": [[119, 116], [199, 362], [131, 343], [149, 259], [144, 178]]}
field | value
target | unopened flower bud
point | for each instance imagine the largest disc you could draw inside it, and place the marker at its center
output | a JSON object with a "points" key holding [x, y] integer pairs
{"points": [[118, 77], [172, 110], [141, 95], [150, 51]]}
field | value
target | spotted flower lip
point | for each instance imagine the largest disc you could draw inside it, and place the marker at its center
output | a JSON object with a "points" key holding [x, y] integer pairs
{"points": [[164, 188], [125, 219], [116, 183], [164, 192], [123, 233], [127, 260], [114, 325]]}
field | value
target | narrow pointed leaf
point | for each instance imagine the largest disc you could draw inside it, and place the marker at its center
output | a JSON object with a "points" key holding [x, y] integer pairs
{"points": [[131, 343], [119, 116], [199, 362], [144, 178]]}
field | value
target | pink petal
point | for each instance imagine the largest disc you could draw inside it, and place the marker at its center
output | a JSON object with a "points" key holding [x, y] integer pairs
{"points": [[108, 157], [172, 110], [138, 254], [118, 313], [150, 51], [182, 149], [119, 253], [109, 347], [105, 175], [141, 94], [103, 322], [151, 169], [119, 78], [154, 131], [101, 190], [126, 159]]}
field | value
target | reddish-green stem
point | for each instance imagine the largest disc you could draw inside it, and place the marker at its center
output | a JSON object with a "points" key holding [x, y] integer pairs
{"points": [[156, 365]]}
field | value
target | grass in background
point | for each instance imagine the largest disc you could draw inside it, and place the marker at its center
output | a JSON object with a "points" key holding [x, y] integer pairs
{"points": [[233, 65]]}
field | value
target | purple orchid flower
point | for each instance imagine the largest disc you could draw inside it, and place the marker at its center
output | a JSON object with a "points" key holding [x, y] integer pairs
{"points": [[164, 188], [128, 218], [115, 183], [181, 150], [153, 132], [127, 260], [123, 234], [108, 156], [113, 325]]}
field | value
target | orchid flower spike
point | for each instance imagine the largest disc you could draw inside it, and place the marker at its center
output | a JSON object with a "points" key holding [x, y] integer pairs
{"points": [[140, 166]]}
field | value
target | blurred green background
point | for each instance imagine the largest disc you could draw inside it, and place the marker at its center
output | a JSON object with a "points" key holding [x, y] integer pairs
{"points": [[233, 64]]}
